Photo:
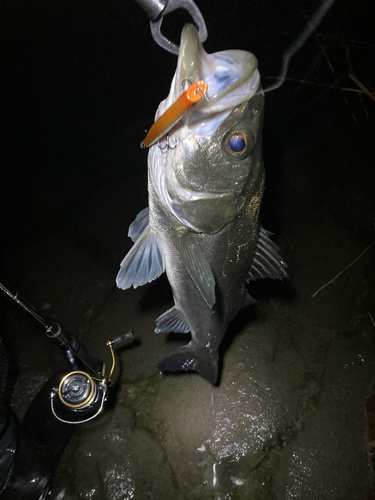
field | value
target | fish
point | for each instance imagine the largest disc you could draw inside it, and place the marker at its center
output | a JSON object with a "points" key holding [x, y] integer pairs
{"points": [[202, 226]]}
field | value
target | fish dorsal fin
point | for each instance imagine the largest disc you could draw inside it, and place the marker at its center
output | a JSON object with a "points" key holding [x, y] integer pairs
{"points": [[143, 263], [196, 264], [267, 262], [171, 321], [138, 225]]}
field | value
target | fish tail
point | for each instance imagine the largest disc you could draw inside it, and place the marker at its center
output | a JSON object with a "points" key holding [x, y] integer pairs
{"points": [[202, 361]]}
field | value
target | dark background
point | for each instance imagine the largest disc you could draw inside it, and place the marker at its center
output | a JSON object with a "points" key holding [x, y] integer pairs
{"points": [[80, 82]]}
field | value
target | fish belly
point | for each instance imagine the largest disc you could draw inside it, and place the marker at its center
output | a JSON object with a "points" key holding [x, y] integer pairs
{"points": [[229, 254]]}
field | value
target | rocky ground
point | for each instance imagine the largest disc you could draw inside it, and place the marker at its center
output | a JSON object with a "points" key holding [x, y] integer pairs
{"points": [[293, 416]]}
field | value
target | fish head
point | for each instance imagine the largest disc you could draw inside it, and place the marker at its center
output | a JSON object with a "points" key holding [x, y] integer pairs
{"points": [[210, 165]]}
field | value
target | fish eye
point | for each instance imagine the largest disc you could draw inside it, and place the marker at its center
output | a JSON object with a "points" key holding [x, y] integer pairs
{"points": [[236, 143]]}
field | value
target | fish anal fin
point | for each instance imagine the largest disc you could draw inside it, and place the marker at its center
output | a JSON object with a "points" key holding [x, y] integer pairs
{"points": [[196, 264], [171, 321], [143, 263]]}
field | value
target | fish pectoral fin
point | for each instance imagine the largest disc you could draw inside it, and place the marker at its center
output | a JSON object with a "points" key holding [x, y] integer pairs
{"points": [[187, 359], [171, 321], [143, 263], [196, 264], [139, 224], [267, 262]]}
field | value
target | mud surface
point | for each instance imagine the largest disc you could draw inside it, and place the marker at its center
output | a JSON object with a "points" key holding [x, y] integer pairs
{"points": [[294, 414]]}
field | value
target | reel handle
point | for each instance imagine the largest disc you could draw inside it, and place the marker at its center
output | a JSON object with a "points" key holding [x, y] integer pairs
{"points": [[123, 340]]}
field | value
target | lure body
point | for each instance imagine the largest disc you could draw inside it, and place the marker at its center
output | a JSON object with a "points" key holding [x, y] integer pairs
{"points": [[174, 113]]}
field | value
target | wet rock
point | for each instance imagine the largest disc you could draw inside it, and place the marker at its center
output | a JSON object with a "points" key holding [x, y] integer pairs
{"points": [[215, 436], [112, 460], [329, 458]]}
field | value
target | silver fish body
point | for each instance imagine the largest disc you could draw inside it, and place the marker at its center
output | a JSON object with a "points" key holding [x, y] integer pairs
{"points": [[205, 190]]}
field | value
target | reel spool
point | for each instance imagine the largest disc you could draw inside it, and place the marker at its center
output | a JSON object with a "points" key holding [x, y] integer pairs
{"points": [[77, 390], [78, 398]]}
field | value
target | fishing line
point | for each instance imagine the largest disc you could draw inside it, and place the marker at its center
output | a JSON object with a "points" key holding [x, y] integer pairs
{"points": [[311, 26], [198, 90]]}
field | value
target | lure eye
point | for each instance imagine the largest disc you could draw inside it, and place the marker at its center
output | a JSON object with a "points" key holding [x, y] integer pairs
{"points": [[237, 143]]}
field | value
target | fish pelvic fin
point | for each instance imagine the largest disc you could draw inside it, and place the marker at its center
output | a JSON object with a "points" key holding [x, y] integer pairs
{"points": [[267, 262], [143, 263], [185, 359], [171, 321], [139, 224], [196, 264]]}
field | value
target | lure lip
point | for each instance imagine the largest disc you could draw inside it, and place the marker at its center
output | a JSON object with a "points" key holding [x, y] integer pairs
{"points": [[174, 113]]}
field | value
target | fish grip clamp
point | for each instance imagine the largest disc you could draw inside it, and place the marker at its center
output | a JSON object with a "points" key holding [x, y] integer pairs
{"points": [[157, 9]]}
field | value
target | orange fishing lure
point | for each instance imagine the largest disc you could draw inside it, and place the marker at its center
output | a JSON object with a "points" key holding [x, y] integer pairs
{"points": [[174, 113]]}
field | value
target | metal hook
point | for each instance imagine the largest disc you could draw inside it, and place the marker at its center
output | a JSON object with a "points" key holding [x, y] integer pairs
{"points": [[183, 86], [202, 93], [157, 9], [167, 145], [163, 147]]}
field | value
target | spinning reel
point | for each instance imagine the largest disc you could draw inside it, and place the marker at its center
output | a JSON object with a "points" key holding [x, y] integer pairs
{"points": [[81, 393], [80, 396]]}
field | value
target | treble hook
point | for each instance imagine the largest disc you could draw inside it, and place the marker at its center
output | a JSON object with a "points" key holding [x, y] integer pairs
{"points": [[167, 145], [157, 9]]}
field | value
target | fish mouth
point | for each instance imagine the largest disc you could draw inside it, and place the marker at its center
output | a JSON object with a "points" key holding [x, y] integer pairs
{"points": [[231, 75]]}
